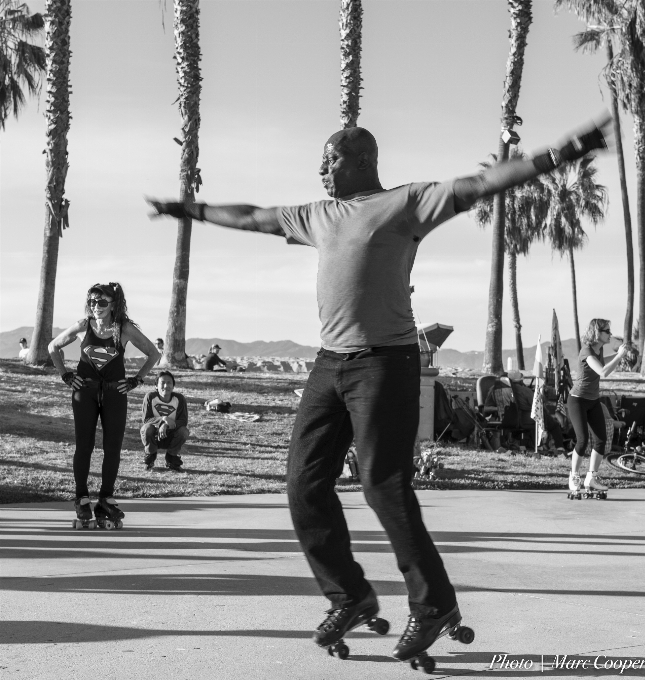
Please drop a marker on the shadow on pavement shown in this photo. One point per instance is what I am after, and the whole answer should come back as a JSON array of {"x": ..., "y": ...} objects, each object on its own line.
[
  {"x": 37, "y": 542},
  {"x": 253, "y": 585},
  {"x": 61, "y": 632}
]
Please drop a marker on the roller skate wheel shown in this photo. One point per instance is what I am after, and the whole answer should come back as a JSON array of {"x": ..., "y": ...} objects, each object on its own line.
[
  {"x": 428, "y": 664},
  {"x": 342, "y": 651},
  {"x": 414, "y": 664},
  {"x": 119, "y": 524},
  {"x": 379, "y": 626},
  {"x": 339, "y": 649},
  {"x": 76, "y": 524},
  {"x": 109, "y": 524},
  {"x": 465, "y": 635},
  {"x": 92, "y": 524}
]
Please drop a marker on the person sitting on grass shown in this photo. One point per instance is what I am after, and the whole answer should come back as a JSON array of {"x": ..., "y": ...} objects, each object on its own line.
[
  {"x": 213, "y": 359},
  {"x": 165, "y": 420},
  {"x": 24, "y": 349}
]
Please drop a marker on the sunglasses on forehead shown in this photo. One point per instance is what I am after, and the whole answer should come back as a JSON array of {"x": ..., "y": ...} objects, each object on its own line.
[{"x": 98, "y": 302}]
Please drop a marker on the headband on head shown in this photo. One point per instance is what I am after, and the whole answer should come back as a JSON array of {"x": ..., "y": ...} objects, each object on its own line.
[{"x": 105, "y": 289}]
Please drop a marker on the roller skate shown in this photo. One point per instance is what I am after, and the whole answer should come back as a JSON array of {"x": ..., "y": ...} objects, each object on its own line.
[
  {"x": 594, "y": 488},
  {"x": 422, "y": 631},
  {"x": 83, "y": 509},
  {"x": 108, "y": 514},
  {"x": 330, "y": 632},
  {"x": 574, "y": 487}
]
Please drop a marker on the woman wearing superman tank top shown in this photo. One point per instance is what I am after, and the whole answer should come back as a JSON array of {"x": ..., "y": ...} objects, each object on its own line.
[{"x": 99, "y": 390}]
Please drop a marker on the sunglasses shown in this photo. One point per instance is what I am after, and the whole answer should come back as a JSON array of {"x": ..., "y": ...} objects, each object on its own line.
[
  {"x": 606, "y": 330},
  {"x": 98, "y": 302}
]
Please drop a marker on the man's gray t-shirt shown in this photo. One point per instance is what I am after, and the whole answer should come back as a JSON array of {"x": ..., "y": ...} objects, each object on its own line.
[{"x": 366, "y": 248}]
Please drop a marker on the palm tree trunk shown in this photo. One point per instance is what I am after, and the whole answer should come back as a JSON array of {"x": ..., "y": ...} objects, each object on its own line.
[
  {"x": 520, "y": 11},
  {"x": 575, "y": 298},
  {"x": 187, "y": 54},
  {"x": 638, "y": 113},
  {"x": 639, "y": 141},
  {"x": 57, "y": 31},
  {"x": 493, "y": 360},
  {"x": 512, "y": 288},
  {"x": 629, "y": 314},
  {"x": 351, "y": 25}
]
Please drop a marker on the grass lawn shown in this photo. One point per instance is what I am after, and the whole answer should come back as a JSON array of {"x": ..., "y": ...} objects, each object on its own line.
[{"x": 222, "y": 456}]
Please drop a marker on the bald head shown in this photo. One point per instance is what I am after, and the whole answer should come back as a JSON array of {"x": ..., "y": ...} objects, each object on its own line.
[
  {"x": 350, "y": 162},
  {"x": 355, "y": 141}
]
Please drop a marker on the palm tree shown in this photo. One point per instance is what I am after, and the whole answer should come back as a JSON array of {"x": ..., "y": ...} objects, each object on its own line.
[
  {"x": 521, "y": 18},
  {"x": 573, "y": 195},
  {"x": 187, "y": 57},
  {"x": 351, "y": 25},
  {"x": 629, "y": 240},
  {"x": 525, "y": 208},
  {"x": 21, "y": 62},
  {"x": 623, "y": 22},
  {"x": 58, "y": 16}
]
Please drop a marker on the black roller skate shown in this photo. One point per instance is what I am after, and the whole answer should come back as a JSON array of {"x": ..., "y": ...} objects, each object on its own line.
[
  {"x": 83, "y": 509},
  {"x": 421, "y": 633},
  {"x": 330, "y": 632},
  {"x": 108, "y": 514}
]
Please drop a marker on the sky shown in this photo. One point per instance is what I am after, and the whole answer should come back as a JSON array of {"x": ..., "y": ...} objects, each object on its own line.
[{"x": 433, "y": 73}]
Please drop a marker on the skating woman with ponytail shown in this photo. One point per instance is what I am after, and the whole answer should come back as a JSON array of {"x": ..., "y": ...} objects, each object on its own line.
[
  {"x": 585, "y": 410},
  {"x": 99, "y": 389}
]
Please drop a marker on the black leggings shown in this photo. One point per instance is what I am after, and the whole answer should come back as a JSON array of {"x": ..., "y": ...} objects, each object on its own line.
[
  {"x": 583, "y": 412},
  {"x": 112, "y": 407}
]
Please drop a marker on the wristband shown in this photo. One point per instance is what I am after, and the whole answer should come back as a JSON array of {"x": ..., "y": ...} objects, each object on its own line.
[{"x": 547, "y": 161}]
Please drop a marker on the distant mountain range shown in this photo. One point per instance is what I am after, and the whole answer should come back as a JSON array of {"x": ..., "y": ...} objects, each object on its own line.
[
  {"x": 289, "y": 350},
  {"x": 230, "y": 348},
  {"x": 475, "y": 360}
]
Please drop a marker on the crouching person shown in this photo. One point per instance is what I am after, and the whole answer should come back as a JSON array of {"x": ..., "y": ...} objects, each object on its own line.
[{"x": 165, "y": 417}]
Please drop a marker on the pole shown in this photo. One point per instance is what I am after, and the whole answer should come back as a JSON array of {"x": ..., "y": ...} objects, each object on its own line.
[{"x": 537, "y": 427}]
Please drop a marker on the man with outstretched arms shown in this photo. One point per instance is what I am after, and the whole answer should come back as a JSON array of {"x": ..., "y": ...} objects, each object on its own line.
[{"x": 365, "y": 383}]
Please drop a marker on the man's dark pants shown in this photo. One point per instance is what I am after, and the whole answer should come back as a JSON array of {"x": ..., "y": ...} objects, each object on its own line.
[
  {"x": 371, "y": 397},
  {"x": 172, "y": 442}
]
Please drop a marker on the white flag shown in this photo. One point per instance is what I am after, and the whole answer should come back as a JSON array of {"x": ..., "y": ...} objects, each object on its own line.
[{"x": 537, "y": 410}]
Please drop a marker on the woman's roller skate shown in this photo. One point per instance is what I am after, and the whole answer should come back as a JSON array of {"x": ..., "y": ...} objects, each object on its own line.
[
  {"x": 330, "y": 632},
  {"x": 574, "y": 487},
  {"x": 594, "y": 488},
  {"x": 83, "y": 509},
  {"x": 108, "y": 514},
  {"x": 422, "y": 631}
]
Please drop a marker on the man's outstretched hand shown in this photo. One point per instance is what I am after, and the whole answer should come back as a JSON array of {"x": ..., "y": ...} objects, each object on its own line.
[
  {"x": 597, "y": 135},
  {"x": 170, "y": 208}
]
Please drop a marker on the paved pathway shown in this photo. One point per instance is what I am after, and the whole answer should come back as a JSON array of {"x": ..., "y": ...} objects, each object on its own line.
[{"x": 196, "y": 588}]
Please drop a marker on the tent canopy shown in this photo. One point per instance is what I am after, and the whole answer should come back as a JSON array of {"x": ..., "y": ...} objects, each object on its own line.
[{"x": 435, "y": 334}]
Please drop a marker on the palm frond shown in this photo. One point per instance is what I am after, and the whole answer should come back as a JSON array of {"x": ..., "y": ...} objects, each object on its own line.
[{"x": 589, "y": 41}]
